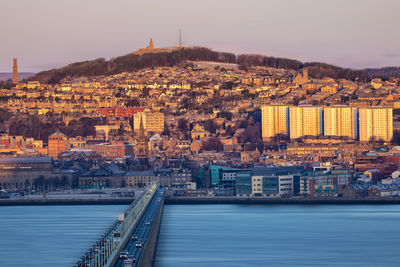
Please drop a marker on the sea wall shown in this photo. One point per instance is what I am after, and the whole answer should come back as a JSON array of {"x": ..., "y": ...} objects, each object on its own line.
[{"x": 281, "y": 201}]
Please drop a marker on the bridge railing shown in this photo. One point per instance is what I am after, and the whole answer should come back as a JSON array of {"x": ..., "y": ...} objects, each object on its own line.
[{"x": 105, "y": 249}]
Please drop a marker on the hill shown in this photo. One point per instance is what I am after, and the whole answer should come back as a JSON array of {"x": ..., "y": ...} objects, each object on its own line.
[{"x": 134, "y": 62}]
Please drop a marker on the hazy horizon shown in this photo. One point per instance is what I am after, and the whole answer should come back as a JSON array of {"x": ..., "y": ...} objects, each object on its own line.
[{"x": 45, "y": 34}]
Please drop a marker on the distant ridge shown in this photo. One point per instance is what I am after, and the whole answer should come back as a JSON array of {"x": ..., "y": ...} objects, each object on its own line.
[
  {"x": 4, "y": 76},
  {"x": 134, "y": 62},
  {"x": 384, "y": 73}
]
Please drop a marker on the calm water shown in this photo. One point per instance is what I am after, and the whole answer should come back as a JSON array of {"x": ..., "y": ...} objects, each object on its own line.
[
  {"x": 241, "y": 235},
  {"x": 51, "y": 235}
]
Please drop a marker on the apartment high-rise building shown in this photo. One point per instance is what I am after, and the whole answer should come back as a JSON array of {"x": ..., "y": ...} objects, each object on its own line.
[
  {"x": 274, "y": 120},
  {"x": 152, "y": 121},
  {"x": 304, "y": 120},
  {"x": 340, "y": 121},
  {"x": 376, "y": 123},
  {"x": 15, "y": 72},
  {"x": 58, "y": 143}
]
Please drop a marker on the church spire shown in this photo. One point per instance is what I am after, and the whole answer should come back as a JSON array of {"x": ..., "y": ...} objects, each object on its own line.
[
  {"x": 142, "y": 148},
  {"x": 142, "y": 134}
]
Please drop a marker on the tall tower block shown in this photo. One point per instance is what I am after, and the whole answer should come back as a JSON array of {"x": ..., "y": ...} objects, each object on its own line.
[
  {"x": 274, "y": 120},
  {"x": 304, "y": 120},
  {"x": 15, "y": 72}
]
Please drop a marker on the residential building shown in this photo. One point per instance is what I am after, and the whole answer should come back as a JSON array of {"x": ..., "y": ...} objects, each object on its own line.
[
  {"x": 304, "y": 120},
  {"x": 139, "y": 179},
  {"x": 110, "y": 151},
  {"x": 180, "y": 176},
  {"x": 105, "y": 129},
  {"x": 376, "y": 123},
  {"x": 152, "y": 121},
  {"x": 57, "y": 143},
  {"x": 340, "y": 121},
  {"x": 274, "y": 121}
]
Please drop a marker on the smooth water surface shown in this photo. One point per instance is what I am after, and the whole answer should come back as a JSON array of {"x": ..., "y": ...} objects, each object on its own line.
[
  {"x": 262, "y": 235},
  {"x": 51, "y": 235}
]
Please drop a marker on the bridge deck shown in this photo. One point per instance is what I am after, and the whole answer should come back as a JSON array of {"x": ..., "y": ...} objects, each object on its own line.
[{"x": 142, "y": 230}]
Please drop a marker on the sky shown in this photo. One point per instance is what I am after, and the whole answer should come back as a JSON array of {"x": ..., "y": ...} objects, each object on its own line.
[{"x": 45, "y": 34}]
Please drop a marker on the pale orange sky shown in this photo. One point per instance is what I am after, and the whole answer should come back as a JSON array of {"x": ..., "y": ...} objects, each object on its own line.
[{"x": 44, "y": 34}]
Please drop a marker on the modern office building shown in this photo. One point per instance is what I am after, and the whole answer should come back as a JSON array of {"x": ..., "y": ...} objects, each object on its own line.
[
  {"x": 305, "y": 120},
  {"x": 235, "y": 179},
  {"x": 215, "y": 173},
  {"x": 274, "y": 121},
  {"x": 376, "y": 123},
  {"x": 275, "y": 181},
  {"x": 323, "y": 183},
  {"x": 340, "y": 121},
  {"x": 243, "y": 183}
]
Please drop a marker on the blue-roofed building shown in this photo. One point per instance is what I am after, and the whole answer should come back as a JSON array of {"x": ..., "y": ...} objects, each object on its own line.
[{"x": 214, "y": 173}]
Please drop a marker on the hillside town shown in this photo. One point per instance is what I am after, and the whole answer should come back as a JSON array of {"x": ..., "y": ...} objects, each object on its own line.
[{"x": 203, "y": 129}]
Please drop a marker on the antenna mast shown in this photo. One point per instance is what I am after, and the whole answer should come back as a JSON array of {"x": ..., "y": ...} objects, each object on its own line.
[{"x": 180, "y": 38}]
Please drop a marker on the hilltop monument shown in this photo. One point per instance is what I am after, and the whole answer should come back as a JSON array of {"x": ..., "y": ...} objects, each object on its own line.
[
  {"x": 152, "y": 49},
  {"x": 151, "y": 45}
]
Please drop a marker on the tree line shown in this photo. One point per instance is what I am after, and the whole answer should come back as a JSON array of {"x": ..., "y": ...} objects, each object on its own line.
[
  {"x": 41, "y": 127},
  {"x": 132, "y": 62},
  {"x": 315, "y": 69}
]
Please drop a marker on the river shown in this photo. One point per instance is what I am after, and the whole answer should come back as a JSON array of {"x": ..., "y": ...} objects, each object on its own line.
[
  {"x": 213, "y": 235},
  {"x": 279, "y": 235},
  {"x": 51, "y": 235}
]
